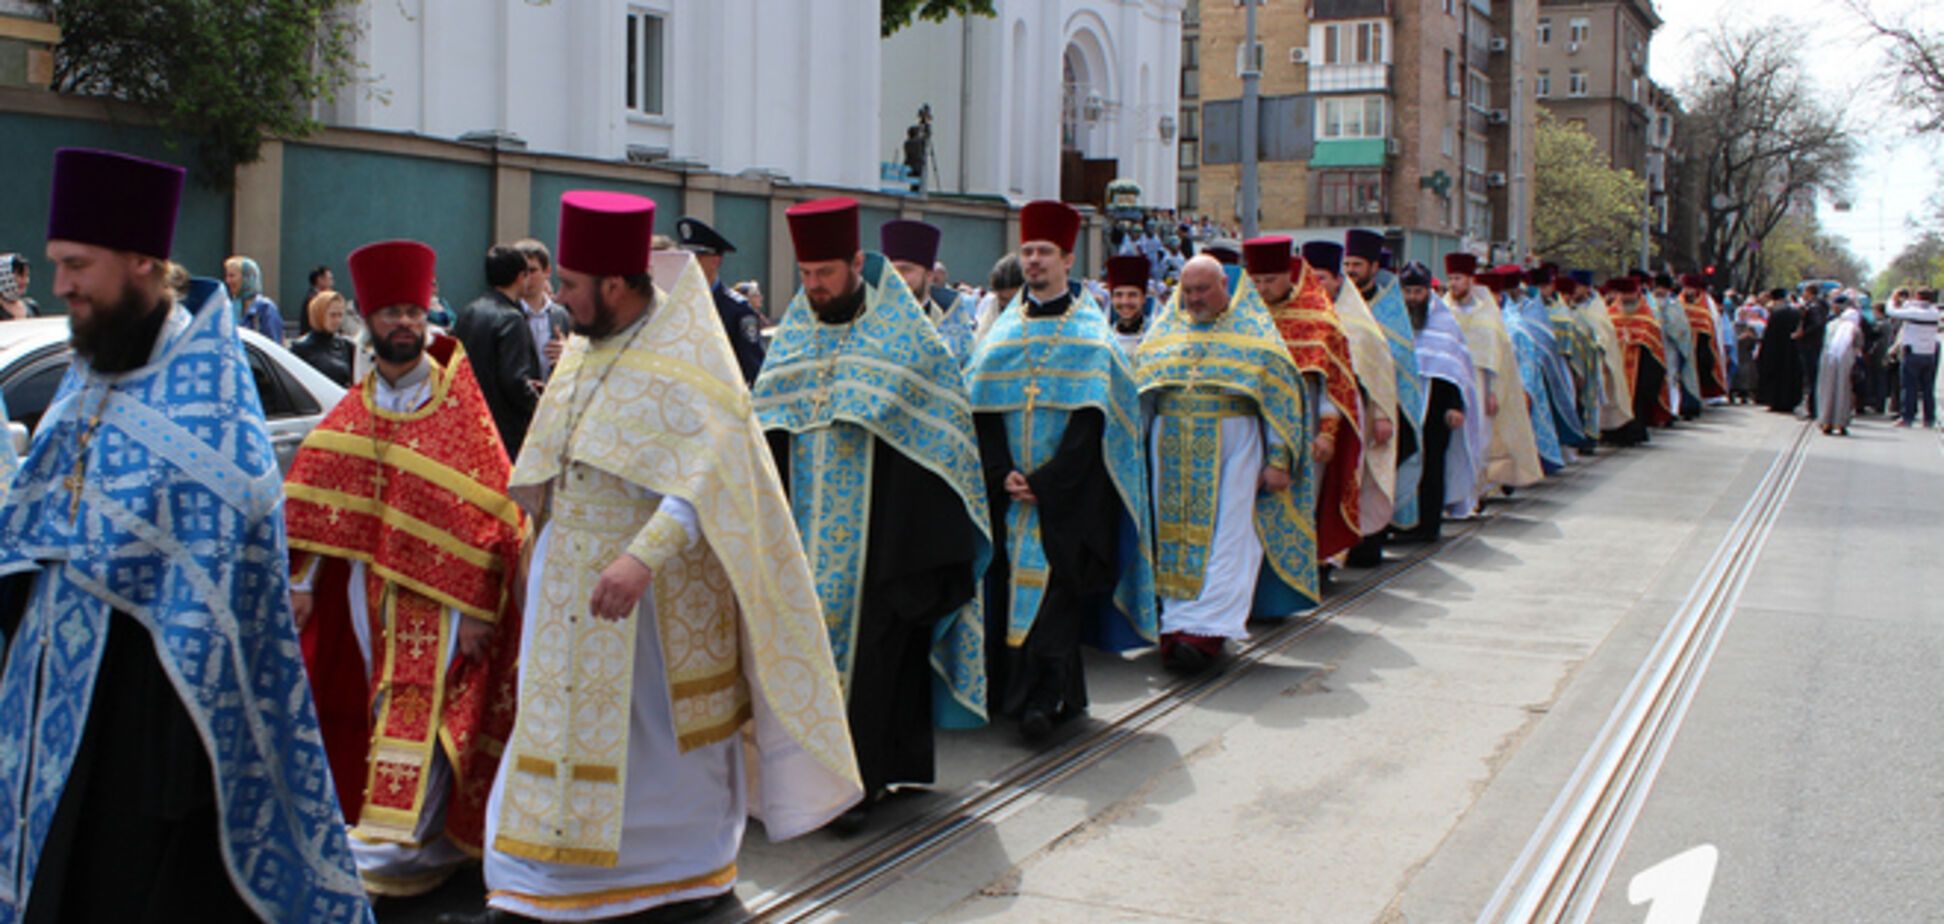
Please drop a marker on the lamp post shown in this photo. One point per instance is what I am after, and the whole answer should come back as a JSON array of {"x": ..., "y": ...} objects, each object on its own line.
[{"x": 1251, "y": 91}]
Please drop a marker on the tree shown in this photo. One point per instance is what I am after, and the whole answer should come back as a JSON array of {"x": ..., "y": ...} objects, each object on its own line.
[
  {"x": 1766, "y": 143},
  {"x": 1585, "y": 213},
  {"x": 1920, "y": 264},
  {"x": 1799, "y": 249},
  {"x": 1916, "y": 65},
  {"x": 897, "y": 14},
  {"x": 225, "y": 74}
]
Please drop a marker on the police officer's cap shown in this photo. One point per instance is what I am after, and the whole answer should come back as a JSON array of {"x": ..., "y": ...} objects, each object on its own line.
[{"x": 698, "y": 237}]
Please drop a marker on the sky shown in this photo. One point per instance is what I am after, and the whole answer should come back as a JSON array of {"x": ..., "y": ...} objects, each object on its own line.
[{"x": 1897, "y": 173}]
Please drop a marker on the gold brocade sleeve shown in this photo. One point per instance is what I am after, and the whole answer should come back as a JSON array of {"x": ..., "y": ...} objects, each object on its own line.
[{"x": 662, "y": 539}]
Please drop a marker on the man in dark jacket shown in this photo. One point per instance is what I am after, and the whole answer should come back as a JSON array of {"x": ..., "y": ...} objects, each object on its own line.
[{"x": 494, "y": 331}]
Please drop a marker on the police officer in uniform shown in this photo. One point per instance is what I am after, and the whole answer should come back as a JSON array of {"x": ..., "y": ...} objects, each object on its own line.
[{"x": 740, "y": 321}]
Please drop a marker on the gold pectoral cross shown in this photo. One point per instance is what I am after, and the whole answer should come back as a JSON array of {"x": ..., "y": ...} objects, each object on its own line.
[
  {"x": 1032, "y": 396},
  {"x": 79, "y": 476}
]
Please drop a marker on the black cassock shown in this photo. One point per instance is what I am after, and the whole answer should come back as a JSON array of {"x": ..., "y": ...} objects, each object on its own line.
[
  {"x": 1442, "y": 398},
  {"x": 918, "y": 563},
  {"x": 1650, "y": 380},
  {"x": 1779, "y": 384},
  {"x": 1080, "y": 515},
  {"x": 135, "y": 836}
]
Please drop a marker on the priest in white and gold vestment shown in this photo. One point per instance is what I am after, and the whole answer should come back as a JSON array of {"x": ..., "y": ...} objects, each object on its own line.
[{"x": 675, "y": 676}]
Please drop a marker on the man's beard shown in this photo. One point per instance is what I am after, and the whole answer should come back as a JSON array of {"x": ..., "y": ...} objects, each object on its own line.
[
  {"x": 397, "y": 353},
  {"x": 843, "y": 307},
  {"x": 603, "y": 323},
  {"x": 120, "y": 336},
  {"x": 1420, "y": 312}
]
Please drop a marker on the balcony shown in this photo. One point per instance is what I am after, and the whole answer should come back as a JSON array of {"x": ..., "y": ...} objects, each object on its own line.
[
  {"x": 1325, "y": 10},
  {"x": 1350, "y": 78}
]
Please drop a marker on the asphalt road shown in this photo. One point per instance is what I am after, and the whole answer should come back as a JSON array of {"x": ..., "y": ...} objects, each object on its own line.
[{"x": 1392, "y": 764}]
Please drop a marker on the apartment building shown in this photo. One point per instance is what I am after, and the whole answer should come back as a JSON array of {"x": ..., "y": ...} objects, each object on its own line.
[
  {"x": 1592, "y": 72},
  {"x": 1394, "y": 114}
]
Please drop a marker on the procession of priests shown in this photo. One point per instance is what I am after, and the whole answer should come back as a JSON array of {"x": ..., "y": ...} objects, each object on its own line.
[{"x": 236, "y": 688}]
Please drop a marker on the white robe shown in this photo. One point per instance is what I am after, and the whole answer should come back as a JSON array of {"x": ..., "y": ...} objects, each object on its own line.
[
  {"x": 683, "y": 813},
  {"x": 1235, "y": 554}
]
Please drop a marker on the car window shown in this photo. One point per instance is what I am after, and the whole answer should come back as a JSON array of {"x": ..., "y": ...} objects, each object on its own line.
[
  {"x": 32, "y": 390},
  {"x": 276, "y": 401},
  {"x": 302, "y": 402}
]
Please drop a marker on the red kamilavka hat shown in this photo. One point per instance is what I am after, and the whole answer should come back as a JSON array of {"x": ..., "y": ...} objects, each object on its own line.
[
  {"x": 1127, "y": 271},
  {"x": 824, "y": 229},
  {"x": 1461, "y": 263},
  {"x": 1046, "y": 220},
  {"x": 605, "y": 233},
  {"x": 391, "y": 273},
  {"x": 1267, "y": 255}
]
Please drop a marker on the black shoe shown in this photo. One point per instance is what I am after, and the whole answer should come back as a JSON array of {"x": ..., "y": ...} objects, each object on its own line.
[
  {"x": 695, "y": 909},
  {"x": 1186, "y": 659},
  {"x": 1035, "y": 725},
  {"x": 853, "y": 821},
  {"x": 488, "y": 916}
]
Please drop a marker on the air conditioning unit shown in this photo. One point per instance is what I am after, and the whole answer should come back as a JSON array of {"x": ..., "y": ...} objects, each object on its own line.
[
  {"x": 1498, "y": 117},
  {"x": 1299, "y": 55},
  {"x": 1500, "y": 45},
  {"x": 1392, "y": 147},
  {"x": 1495, "y": 180},
  {"x": 1572, "y": 48},
  {"x": 1373, "y": 207}
]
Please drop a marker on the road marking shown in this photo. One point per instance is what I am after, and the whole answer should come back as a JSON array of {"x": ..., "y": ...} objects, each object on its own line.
[
  {"x": 1676, "y": 889},
  {"x": 1561, "y": 873}
]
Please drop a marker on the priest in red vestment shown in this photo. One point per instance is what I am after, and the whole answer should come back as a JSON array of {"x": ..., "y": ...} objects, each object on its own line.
[
  {"x": 405, "y": 546},
  {"x": 1305, "y": 315}
]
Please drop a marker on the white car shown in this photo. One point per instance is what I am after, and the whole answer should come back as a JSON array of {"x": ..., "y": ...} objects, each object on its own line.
[{"x": 34, "y": 356}]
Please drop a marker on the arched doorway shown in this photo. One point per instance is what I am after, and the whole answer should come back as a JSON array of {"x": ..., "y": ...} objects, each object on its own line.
[{"x": 1087, "y": 164}]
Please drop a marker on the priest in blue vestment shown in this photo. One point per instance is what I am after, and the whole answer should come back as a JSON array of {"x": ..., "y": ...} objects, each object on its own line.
[
  {"x": 159, "y": 751},
  {"x": 1058, "y": 421}
]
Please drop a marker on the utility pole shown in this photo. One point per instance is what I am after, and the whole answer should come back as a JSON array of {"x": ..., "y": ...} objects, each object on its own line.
[{"x": 1251, "y": 134}]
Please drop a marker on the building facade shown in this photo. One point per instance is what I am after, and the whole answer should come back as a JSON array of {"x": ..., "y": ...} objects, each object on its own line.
[
  {"x": 1042, "y": 100},
  {"x": 763, "y": 87},
  {"x": 1592, "y": 72},
  {"x": 27, "y": 39},
  {"x": 1393, "y": 114}
]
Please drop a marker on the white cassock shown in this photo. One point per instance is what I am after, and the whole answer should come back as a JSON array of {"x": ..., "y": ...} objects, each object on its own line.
[
  {"x": 1235, "y": 554},
  {"x": 683, "y": 814}
]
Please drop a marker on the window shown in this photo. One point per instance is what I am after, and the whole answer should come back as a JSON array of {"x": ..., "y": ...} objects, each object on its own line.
[
  {"x": 1576, "y": 82},
  {"x": 1481, "y": 91},
  {"x": 1451, "y": 73},
  {"x": 1190, "y": 52},
  {"x": 1190, "y": 156},
  {"x": 1190, "y": 123},
  {"x": 1191, "y": 13},
  {"x": 1186, "y": 199},
  {"x": 1545, "y": 30},
  {"x": 1358, "y": 43},
  {"x": 644, "y": 63},
  {"x": 1190, "y": 83},
  {"x": 1347, "y": 193},
  {"x": 1448, "y": 140},
  {"x": 1351, "y": 117},
  {"x": 1542, "y": 86},
  {"x": 1636, "y": 89},
  {"x": 1582, "y": 28}
]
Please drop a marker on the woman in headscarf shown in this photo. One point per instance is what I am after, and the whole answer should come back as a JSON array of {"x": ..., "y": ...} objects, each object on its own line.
[
  {"x": 1750, "y": 320},
  {"x": 14, "y": 303},
  {"x": 1779, "y": 381},
  {"x": 323, "y": 348},
  {"x": 254, "y": 310},
  {"x": 1835, "y": 391}
]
